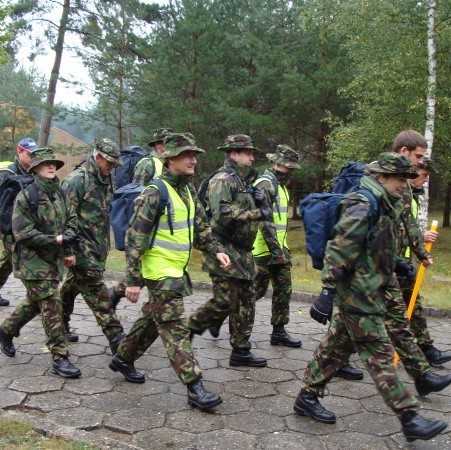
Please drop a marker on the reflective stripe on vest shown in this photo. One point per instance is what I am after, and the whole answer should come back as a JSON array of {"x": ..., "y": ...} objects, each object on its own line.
[
  {"x": 280, "y": 221},
  {"x": 170, "y": 253},
  {"x": 414, "y": 206}
]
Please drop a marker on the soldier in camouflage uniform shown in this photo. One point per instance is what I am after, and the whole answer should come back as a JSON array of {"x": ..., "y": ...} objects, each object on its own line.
[
  {"x": 21, "y": 164},
  {"x": 235, "y": 220},
  {"x": 89, "y": 188},
  {"x": 163, "y": 268},
  {"x": 358, "y": 278},
  {"x": 271, "y": 252},
  {"x": 413, "y": 146},
  {"x": 145, "y": 171},
  {"x": 43, "y": 246}
]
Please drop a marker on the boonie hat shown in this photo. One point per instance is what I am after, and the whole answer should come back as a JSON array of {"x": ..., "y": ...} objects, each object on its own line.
[
  {"x": 177, "y": 143},
  {"x": 159, "y": 135},
  {"x": 27, "y": 144},
  {"x": 285, "y": 156},
  {"x": 44, "y": 155},
  {"x": 393, "y": 164},
  {"x": 107, "y": 148},
  {"x": 238, "y": 142},
  {"x": 427, "y": 164}
]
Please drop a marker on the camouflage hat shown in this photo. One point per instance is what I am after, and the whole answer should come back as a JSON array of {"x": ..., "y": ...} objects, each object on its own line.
[
  {"x": 177, "y": 143},
  {"x": 27, "y": 144},
  {"x": 393, "y": 164},
  {"x": 44, "y": 155},
  {"x": 159, "y": 135},
  {"x": 427, "y": 164},
  {"x": 285, "y": 156},
  {"x": 238, "y": 142},
  {"x": 109, "y": 151}
]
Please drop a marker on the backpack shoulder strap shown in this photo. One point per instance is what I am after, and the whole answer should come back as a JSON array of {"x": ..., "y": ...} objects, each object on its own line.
[
  {"x": 32, "y": 197},
  {"x": 162, "y": 205}
]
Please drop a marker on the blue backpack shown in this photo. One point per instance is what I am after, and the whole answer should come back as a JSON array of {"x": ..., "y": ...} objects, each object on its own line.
[
  {"x": 321, "y": 211},
  {"x": 130, "y": 156},
  {"x": 123, "y": 207}
]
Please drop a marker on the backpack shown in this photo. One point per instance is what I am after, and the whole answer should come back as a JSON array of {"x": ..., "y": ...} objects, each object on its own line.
[
  {"x": 10, "y": 186},
  {"x": 130, "y": 156},
  {"x": 321, "y": 211},
  {"x": 123, "y": 207}
]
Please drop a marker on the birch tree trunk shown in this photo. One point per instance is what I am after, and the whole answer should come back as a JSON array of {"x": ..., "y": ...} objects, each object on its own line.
[{"x": 430, "y": 108}]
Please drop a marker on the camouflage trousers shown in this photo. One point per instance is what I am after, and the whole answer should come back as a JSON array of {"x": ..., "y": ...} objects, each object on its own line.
[
  {"x": 403, "y": 340},
  {"x": 368, "y": 335},
  {"x": 232, "y": 297},
  {"x": 91, "y": 285},
  {"x": 280, "y": 277},
  {"x": 164, "y": 316},
  {"x": 6, "y": 265},
  {"x": 42, "y": 298}
]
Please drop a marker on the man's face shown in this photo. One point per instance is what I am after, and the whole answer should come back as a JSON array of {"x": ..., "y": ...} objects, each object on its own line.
[
  {"x": 159, "y": 147},
  {"x": 393, "y": 184},
  {"x": 105, "y": 166},
  {"x": 423, "y": 177},
  {"x": 415, "y": 156},
  {"x": 24, "y": 158},
  {"x": 243, "y": 157},
  {"x": 184, "y": 163},
  {"x": 46, "y": 170},
  {"x": 283, "y": 169}
]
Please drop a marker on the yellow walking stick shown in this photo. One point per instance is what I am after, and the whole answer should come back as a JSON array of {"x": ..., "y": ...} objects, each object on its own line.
[{"x": 418, "y": 282}]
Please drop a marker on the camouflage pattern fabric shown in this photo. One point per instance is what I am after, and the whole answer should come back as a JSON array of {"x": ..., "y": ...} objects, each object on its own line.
[
  {"x": 6, "y": 265},
  {"x": 42, "y": 298},
  {"x": 280, "y": 277},
  {"x": 367, "y": 334},
  {"x": 164, "y": 316},
  {"x": 36, "y": 256},
  {"x": 232, "y": 297},
  {"x": 90, "y": 195},
  {"x": 91, "y": 285},
  {"x": 144, "y": 171}
]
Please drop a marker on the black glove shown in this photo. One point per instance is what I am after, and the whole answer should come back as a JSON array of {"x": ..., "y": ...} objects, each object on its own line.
[
  {"x": 259, "y": 196},
  {"x": 266, "y": 213},
  {"x": 322, "y": 307},
  {"x": 405, "y": 271},
  {"x": 72, "y": 241}
]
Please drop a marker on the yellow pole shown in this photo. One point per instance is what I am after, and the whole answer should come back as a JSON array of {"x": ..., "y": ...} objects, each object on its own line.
[{"x": 418, "y": 282}]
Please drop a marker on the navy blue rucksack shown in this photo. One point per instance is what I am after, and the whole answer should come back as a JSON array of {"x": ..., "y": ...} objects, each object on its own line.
[
  {"x": 321, "y": 211},
  {"x": 130, "y": 156},
  {"x": 123, "y": 207}
]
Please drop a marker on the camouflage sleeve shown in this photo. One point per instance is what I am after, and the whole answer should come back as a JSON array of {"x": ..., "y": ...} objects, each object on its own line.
[
  {"x": 74, "y": 187},
  {"x": 223, "y": 202},
  {"x": 71, "y": 226},
  {"x": 203, "y": 237},
  {"x": 268, "y": 228},
  {"x": 139, "y": 233},
  {"x": 144, "y": 171},
  {"x": 24, "y": 226},
  {"x": 349, "y": 236}
]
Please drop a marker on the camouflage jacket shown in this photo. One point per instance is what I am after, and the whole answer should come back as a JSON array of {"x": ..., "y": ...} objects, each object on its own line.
[
  {"x": 413, "y": 237},
  {"x": 36, "y": 255},
  {"x": 359, "y": 265},
  {"x": 144, "y": 171},
  {"x": 90, "y": 195},
  {"x": 234, "y": 220},
  {"x": 142, "y": 224}
]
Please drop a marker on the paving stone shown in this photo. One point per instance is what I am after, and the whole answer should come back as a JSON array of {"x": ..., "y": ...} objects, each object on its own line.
[
  {"x": 304, "y": 424},
  {"x": 226, "y": 439},
  {"x": 21, "y": 371},
  {"x": 11, "y": 398},
  {"x": 35, "y": 385},
  {"x": 110, "y": 401},
  {"x": 51, "y": 401},
  {"x": 291, "y": 441},
  {"x": 82, "y": 349},
  {"x": 255, "y": 422},
  {"x": 134, "y": 420},
  {"x": 195, "y": 421},
  {"x": 372, "y": 423},
  {"x": 250, "y": 388},
  {"x": 357, "y": 441},
  {"x": 79, "y": 418},
  {"x": 89, "y": 386},
  {"x": 279, "y": 405},
  {"x": 150, "y": 387},
  {"x": 159, "y": 438},
  {"x": 268, "y": 373},
  {"x": 166, "y": 403}
]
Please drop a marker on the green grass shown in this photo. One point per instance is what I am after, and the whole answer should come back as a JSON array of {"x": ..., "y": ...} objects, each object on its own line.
[
  {"x": 22, "y": 436},
  {"x": 436, "y": 287}
]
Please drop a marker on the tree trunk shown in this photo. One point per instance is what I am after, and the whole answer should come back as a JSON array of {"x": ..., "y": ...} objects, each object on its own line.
[
  {"x": 447, "y": 208},
  {"x": 430, "y": 108},
  {"x": 46, "y": 122}
]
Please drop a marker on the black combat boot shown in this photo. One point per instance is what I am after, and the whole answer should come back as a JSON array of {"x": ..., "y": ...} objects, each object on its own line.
[
  {"x": 200, "y": 398},
  {"x": 214, "y": 331},
  {"x": 309, "y": 405},
  {"x": 127, "y": 369},
  {"x": 70, "y": 335},
  {"x": 3, "y": 301},
  {"x": 279, "y": 336},
  {"x": 64, "y": 368},
  {"x": 349, "y": 373},
  {"x": 432, "y": 382},
  {"x": 115, "y": 341},
  {"x": 415, "y": 426},
  {"x": 244, "y": 357},
  {"x": 6, "y": 344},
  {"x": 115, "y": 298},
  {"x": 435, "y": 356}
]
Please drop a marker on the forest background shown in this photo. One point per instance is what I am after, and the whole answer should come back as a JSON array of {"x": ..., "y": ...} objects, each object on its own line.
[{"x": 336, "y": 80}]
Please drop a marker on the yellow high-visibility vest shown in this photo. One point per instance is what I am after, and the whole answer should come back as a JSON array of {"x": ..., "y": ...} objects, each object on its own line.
[{"x": 170, "y": 253}]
